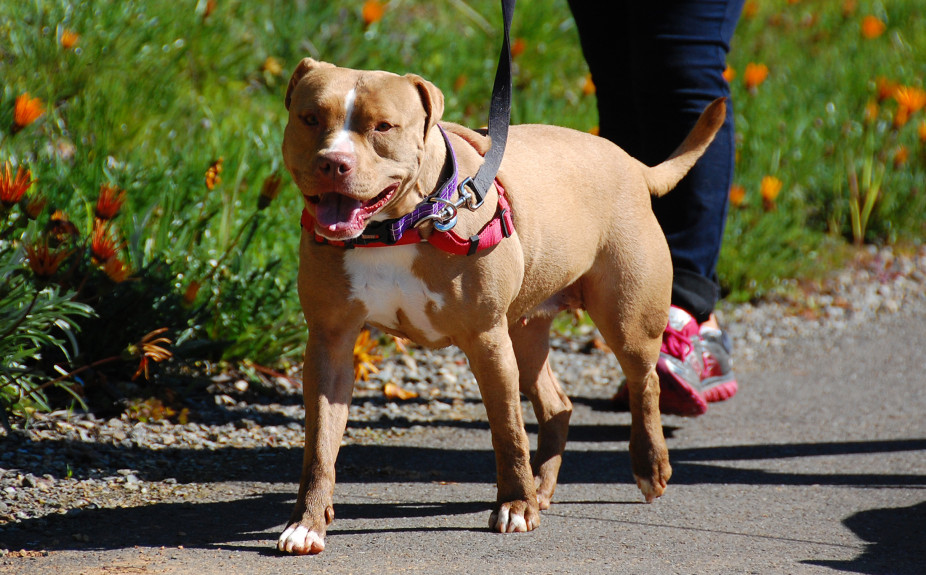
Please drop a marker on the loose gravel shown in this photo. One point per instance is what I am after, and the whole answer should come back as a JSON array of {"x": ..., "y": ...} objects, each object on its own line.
[{"x": 68, "y": 461}]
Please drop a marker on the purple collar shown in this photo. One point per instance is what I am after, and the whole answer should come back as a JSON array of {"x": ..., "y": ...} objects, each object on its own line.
[{"x": 433, "y": 207}]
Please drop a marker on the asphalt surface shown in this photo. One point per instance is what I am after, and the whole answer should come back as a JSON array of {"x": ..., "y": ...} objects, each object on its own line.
[{"x": 818, "y": 465}]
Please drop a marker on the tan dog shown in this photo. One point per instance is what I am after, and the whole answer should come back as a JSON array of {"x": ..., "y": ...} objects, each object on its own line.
[{"x": 365, "y": 146}]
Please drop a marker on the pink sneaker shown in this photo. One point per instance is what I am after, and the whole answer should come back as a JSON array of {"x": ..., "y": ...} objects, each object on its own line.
[{"x": 694, "y": 367}]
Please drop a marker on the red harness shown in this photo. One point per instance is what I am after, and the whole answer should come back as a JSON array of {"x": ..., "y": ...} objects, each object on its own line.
[{"x": 501, "y": 226}]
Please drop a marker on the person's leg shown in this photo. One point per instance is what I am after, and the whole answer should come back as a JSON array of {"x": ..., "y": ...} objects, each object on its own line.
[{"x": 656, "y": 66}]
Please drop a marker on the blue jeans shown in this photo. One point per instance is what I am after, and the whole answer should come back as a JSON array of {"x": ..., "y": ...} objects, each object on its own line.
[{"x": 656, "y": 65}]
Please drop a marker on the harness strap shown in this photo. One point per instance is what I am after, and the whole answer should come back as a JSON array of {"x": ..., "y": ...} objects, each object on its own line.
[{"x": 499, "y": 227}]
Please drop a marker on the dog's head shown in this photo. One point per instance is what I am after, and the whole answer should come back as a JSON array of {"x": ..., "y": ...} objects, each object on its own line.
[{"x": 355, "y": 142}]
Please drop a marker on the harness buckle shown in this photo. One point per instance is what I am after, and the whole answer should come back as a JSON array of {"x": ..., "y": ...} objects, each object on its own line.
[{"x": 445, "y": 219}]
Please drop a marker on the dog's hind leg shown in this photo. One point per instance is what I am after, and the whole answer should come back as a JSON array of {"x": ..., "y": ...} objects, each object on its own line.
[
  {"x": 632, "y": 317},
  {"x": 552, "y": 408}
]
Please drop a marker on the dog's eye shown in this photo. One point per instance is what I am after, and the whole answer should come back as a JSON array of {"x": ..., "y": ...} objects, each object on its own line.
[
  {"x": 384, "y": 127},
  {"x": 309, "y": 119}
]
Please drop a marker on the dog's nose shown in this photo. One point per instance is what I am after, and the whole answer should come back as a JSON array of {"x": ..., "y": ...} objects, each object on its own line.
[{"x": 336, "y": 165}]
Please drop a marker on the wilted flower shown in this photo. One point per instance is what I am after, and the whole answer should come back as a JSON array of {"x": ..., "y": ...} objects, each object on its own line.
[
  {"x": 365, "y": 359},
  {"x": 25, "y": 111},
  {"x": 373, "y": 11},
  {"x": 754, "y": 75},
  {"x": 872, "y": 27},
  {"x": 102, "y": 246},
  {"x": 769, "y": 189},
  {"x": 12, "y": 188},
  {"x": 393, "y": 391},
  {"x": 150, "y": 348},
  {"x": 43, "y": 261},
  {"x": 737, "y": 195},
  {"x": 110, "y": 202},
  {"x": 34, "y": 206},
  {"x": 269, "y": 190},
  {"x": 60, "y": 227},
  {"x": 212, "y": 174},
  {"x": 68, "y": 39},
  {"x": 192, "y": 290}
]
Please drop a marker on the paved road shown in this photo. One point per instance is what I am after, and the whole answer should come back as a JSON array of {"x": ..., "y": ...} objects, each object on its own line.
[{"x": 817, "y": 466}]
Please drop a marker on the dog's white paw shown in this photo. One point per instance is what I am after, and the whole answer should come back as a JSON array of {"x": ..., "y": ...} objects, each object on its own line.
[
  {"x": 504, "y": 521},
  {"x": 649, "y": 490},
  {"x": 298, "y": 540}
]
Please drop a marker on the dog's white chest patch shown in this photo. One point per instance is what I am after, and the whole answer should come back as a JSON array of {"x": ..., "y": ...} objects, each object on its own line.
[{"x": 382, "y": 279}]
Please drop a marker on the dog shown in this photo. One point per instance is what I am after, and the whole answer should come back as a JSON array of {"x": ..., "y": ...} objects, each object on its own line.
[{"x": 577, "y": 230}]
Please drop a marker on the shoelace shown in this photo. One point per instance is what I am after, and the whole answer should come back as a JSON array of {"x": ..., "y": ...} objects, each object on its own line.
[{"x": 675, "y": 343}]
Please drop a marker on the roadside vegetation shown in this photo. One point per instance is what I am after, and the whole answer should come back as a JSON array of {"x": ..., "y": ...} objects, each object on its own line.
[{"x": 148, "y": 232}]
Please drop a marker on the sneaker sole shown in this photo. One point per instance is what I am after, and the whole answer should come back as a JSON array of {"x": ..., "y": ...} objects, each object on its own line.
[
  {"x": 676, "y": 397},
  {"x": 719, "y": 388}
]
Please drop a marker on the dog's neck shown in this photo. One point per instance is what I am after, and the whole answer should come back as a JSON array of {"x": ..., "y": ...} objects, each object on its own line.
[{"x": 432, "y": 173}]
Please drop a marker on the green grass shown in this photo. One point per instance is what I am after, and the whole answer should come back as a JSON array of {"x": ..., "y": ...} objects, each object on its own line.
[{"x": 154, "y": 92}]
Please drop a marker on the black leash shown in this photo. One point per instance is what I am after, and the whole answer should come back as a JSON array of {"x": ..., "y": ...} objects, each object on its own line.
[{"x": 499, "y": 117}]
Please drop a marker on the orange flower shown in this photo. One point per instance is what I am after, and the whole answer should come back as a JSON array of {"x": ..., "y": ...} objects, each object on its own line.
[
  {"x": 110, "y": 202},
  {"x": 750, "y": 9},
  {"x": 68, "y": 39},
  {"x": 13, "y": 188},
  {"x": 729, "y": 73},
  {"x": 769, "y": 189},
  {"x": 901, "y": 154},
  {"x": 885, "y": 88},
  {"x": 373, "y": 11},
  {"x": 210, "y": 8},
  {"x": 901, "y": 116},
  {"x": 518, "y": 47},
  {"x": 25, "y": 111},
  {"x": 872, "y": 27},
  {"x": 849, "y": 7},
  {"x": 921, "y": 131},
  {"x": 212, "y": 174},
  {"x": 588, "y": 88},
  {"x": 272, "y": 66},
  {"x": 102, "y": 247},
  {"x": 871, "y": 111},
  {"x": 595, "y": 131},
  {"x": 115, "y": 270},
  {"x": 910, "y": 97},
  {"x": 737, "y": 195},
  {"x": 44, "y": 262},
  {"x": 754, "y": 75}
]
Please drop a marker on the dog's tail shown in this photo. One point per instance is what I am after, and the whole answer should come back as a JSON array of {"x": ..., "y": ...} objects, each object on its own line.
[{"x": 662, "y": 178}]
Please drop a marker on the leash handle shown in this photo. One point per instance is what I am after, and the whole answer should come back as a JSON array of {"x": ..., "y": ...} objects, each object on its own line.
[{"x": 499, "y": 115}]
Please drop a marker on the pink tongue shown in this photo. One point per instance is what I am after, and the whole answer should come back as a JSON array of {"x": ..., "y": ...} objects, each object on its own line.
[{"x": 335, "y": 212}]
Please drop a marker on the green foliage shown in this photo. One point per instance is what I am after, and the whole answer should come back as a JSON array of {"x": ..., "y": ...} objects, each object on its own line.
[{"x": 154, "y": 93}]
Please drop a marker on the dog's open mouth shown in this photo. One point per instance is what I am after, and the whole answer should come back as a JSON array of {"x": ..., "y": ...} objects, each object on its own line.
[{"x": 339, "y": 217}]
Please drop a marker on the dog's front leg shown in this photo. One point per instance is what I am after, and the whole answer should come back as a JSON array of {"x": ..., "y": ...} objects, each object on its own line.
[
  {"x": 494, "y": 364},
  {"x": 328, "y": 381}
]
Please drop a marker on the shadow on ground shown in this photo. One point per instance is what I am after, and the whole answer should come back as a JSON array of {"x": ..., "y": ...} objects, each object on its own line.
[{"x": 894, "y": 539}]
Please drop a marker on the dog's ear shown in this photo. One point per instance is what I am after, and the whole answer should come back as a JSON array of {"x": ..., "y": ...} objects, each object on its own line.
[
  {"x": 304, "y": 67},
  {"x": 431, "y": 98}
]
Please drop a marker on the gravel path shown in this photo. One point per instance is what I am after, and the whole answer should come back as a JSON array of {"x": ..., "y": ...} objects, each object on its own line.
[{"x": 67, "y": 463}]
